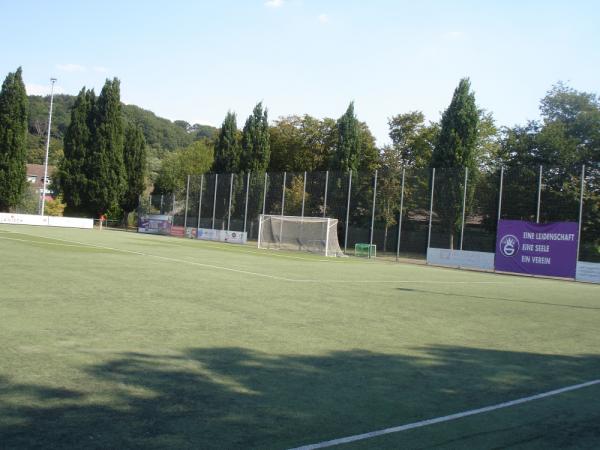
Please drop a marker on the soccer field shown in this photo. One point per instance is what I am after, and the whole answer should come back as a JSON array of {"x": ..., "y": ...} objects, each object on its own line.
[{"x": 121, "y": 340}]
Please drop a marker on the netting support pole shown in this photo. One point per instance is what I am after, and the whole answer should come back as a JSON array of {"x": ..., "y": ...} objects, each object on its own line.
[
  {"x": 539, "y": 196},
  {"x": 200, "y": 198},
  {"x": 215, "y": 201},
  {"x": 260, "y": 221},
  {"x": 303, "y": 194},
  {"x": 246, "y": 207},
  {"x": 173, "y": 204},
  {"x": 462, "y": 223},
  {"x": 430, "y": 209},
  {"x": 265, "y": 193},
  {"x": 283, "y": 193},
  {"x": 580, "y": 208},
  {"x": 373, "y": 209},
  {"x": 400, "y": 216},
  {"x": 229, "y": 206},
  {"x": 161, "y": 203},
  {"x": 500, "y": 194},
  {"x": 347, "y": 211},
  {"x": 282, "y": 209},
  {"x": 42, "y": 207},
  {"x": 325, "y": 195},
  {"x": 327, "y": 238},
  {"x": 187, "y": 198}
]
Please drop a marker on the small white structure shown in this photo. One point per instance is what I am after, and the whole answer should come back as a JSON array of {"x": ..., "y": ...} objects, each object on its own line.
[{"x": 47, "y": 221}]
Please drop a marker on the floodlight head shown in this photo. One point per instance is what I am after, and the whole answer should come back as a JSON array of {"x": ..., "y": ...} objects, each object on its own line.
[{"x": 52, "y": 80}]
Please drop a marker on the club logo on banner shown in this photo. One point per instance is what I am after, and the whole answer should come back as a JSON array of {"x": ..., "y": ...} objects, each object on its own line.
[
  {"x": 509, "y": 245},
  {"x": 537, "y": 249}
]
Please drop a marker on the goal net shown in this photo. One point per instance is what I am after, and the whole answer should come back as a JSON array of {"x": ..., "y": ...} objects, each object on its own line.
[{"x": 309, "y": 234}]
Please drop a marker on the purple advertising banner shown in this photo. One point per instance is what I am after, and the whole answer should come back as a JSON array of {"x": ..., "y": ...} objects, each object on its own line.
[
  {"x": 155, "y": 224},
  {"x": 537, "y": 249}
]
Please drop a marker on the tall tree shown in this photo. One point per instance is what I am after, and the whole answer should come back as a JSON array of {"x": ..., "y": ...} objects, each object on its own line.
[
  {"x": 368, "y": 156},
  {"x": 456, "y": 146},
  {"x": 488, "y": 149},
  {"x": 567, "y": 137},
  {"x": 72, "y": 170},
  {"x": 256, "y": 150},
  {"x": 13, "y": 138},
  {"x": 355, "y": 150},
  {"x": 134, "y": 158},
  {"x": 300, "y": 143},
  {"x": 456, "y": 150},
  {"x": 565, "y": 104},
  {"x": 227, "y": 148},
  {"x": 106, "y": 178},
  {"x": 412, "y": 140},
  {"x": 227, "y": 151},
  {"x": 347, "y": 151},
  {"x": 570, "y": 133},
  {"x": 194, "y": 160}
]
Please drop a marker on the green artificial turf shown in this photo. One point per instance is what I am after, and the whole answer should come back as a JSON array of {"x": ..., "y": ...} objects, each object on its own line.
[{"x": 121, "y": 340}]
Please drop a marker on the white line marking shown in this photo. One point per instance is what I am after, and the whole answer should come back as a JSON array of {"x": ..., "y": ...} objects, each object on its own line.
[
  {"x": 166, "y": 258},
  {"x": 229, "y": 269},
  {"x": 424, "y": 423},
  {"x": 401, "y": 281},
  {"x": 43, "y": 243}
]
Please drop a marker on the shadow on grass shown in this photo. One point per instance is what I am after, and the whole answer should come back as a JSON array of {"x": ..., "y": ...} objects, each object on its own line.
[{"x": 236, "y": 398}]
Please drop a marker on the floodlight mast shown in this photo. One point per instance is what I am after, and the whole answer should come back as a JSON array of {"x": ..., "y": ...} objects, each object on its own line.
[{"x": 53, "y": 80}]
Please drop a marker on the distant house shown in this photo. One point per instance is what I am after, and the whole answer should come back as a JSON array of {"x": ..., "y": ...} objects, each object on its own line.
[{"x": 35, "y": 176}]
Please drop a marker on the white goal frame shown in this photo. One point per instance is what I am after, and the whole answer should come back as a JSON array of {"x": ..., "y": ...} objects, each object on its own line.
[{"x": 328, "y": 222}]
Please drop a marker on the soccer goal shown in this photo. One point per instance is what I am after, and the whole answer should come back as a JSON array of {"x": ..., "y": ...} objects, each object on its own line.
[
  {"x": 309, "y": 234},
  {"x": 365, "y": 250}
]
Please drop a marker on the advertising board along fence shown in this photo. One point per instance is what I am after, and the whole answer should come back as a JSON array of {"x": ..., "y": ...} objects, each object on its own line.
[
  {"x": 460, "y": 258},
  {"x": 155, "y": 224},
  {"x": 233, "y": 237},
  {"x": 47, "y": 221},
  {"x": 537, "y": 249}
]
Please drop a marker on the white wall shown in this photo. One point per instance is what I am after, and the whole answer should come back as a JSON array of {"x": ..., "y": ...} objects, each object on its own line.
[
  {"x": 48, "y": 221},
  {"x": 235, "y": 237},
  {"x": 588, "y": 271},
  {"x": 460, "y": 258}
]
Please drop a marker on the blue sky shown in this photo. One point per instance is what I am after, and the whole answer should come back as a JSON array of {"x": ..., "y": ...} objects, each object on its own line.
[{"x": 195, "y": 60}]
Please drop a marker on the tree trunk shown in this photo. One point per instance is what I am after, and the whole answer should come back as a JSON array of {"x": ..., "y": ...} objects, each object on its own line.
[{"x": 125, "y": 222}]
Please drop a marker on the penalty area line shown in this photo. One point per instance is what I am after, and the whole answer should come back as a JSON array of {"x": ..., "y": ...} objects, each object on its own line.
[{"x": 460, "y": 415}]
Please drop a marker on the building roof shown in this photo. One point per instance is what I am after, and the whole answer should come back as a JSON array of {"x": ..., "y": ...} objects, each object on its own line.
[{"x": 37, "y": 171}]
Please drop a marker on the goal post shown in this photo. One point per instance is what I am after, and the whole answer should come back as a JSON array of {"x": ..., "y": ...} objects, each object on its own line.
[{"x": 308, "y": 234}]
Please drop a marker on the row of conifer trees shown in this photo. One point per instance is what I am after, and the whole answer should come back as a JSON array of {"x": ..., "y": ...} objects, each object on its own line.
[{"x": 104, "y": 165}]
